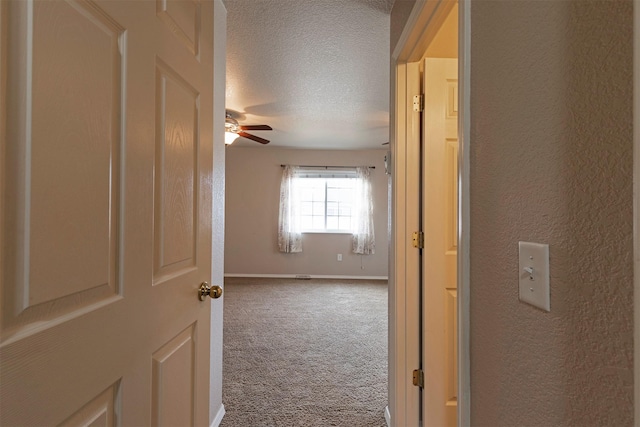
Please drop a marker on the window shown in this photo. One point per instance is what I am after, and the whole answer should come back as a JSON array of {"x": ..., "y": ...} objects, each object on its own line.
[{"x": 326, "y": 202}]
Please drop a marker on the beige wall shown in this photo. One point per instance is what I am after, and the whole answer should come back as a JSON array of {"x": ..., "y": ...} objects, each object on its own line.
[
  {"x": 551, "y": 162},
  {"x": 399, "y": 15},
  {"x": 252, "y": 196}
]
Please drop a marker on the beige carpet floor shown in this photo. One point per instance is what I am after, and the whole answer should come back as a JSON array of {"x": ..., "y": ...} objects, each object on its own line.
[{"x": 304, "y": 353}]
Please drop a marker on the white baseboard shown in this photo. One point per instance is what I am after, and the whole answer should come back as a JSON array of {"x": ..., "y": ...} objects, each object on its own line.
[
  {"x": 312, "y": 276},
  {"x": 218, "y": 418},
  {"x": 387, "y": 416}
]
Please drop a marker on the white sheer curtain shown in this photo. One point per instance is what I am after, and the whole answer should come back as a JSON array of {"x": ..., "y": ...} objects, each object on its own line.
[
  {"x": 289, "y": 234},
  {"x": 364, "y": 241}
]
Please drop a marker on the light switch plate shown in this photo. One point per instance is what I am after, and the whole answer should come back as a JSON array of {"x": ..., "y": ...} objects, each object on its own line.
[{"x": 534, "y": 274}]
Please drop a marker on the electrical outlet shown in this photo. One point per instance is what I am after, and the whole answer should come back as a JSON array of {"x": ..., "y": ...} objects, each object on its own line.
[{"x": 339, "y": 257}]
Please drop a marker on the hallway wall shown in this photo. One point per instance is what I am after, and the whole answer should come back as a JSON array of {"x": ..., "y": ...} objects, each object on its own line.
[{"x": 551, "y": 162}]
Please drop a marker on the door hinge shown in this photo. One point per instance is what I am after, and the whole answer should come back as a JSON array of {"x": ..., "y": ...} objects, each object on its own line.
[
  {"x": 418, "y": 239},
  {"x": 418, "y": 378},
  {"x": 418, "y": 103}
]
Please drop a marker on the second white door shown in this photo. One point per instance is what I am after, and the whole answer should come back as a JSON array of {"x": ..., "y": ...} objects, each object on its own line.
[{"x": 440, "y": 207}]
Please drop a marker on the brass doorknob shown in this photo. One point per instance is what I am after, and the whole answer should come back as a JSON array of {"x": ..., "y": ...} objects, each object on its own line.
[{"x": 206, "y": 290}]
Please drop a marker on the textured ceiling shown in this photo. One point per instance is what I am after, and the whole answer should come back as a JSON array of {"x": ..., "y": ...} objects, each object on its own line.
[{"x": 317, "y": 71}]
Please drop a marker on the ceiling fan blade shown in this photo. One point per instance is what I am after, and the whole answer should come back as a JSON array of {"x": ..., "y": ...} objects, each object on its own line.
[
  {"x": 253, "y": 138},
  {"x": 255, "y": 127}
]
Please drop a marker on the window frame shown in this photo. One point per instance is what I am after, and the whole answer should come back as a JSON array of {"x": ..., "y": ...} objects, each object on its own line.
[{"x": 326, "y": 175}]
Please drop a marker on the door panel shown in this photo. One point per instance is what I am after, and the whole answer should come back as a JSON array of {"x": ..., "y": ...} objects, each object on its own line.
[
  {"x": 106, "y": 191},
  {"x": 440, "y": 207},
  {"x": 61, "y": 238},
  {"x": 171, "y": 385},
  {"x": 86, "y": 148},
  {"x": 99, "y": 412},
  {"x": 176, "y": 208}
]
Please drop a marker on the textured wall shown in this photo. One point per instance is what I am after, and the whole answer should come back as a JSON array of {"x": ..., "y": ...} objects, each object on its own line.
[
  {"x": 551, "y": 162},
  {"x": 636, "y": 161},
  {"x": 252, "y": 207},
  {"x": 399, "y": 16}
]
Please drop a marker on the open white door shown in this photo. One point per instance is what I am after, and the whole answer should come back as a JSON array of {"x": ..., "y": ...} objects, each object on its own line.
[
  {"x": 106, "y": 212},
  {"x": 440, "y": 212}
]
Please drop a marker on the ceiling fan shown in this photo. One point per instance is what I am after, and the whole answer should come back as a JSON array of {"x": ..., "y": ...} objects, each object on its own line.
[{"x": 233, "y": 130}]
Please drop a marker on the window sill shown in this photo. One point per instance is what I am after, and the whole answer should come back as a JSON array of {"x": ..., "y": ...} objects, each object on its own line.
[{"x": 326, "y": 232}]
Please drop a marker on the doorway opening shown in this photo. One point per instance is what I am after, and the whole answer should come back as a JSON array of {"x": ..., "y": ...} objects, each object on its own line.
[{"x": 429, "y": 291}]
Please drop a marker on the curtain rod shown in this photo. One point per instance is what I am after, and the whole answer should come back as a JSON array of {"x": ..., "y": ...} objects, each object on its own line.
[{"x": 327, "y": 167}]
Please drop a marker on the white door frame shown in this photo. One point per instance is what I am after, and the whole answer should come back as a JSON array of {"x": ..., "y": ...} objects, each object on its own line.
[
  {"x": 421, "y": 27},
  {"x": 404, "y": 295}
]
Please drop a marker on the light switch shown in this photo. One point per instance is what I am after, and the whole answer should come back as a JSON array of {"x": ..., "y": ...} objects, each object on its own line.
[{"x": 534, "y": 274}]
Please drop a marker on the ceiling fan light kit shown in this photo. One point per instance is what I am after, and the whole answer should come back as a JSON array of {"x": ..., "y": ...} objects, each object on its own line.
[
  {"x": 230, "y": 137},
  {"x": 233, "y": 130}
]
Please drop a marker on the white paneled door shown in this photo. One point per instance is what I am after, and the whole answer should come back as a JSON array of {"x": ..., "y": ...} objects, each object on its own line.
[
  {"x": 106, "y": 163},
  {"x": 440, "y": 212}
]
